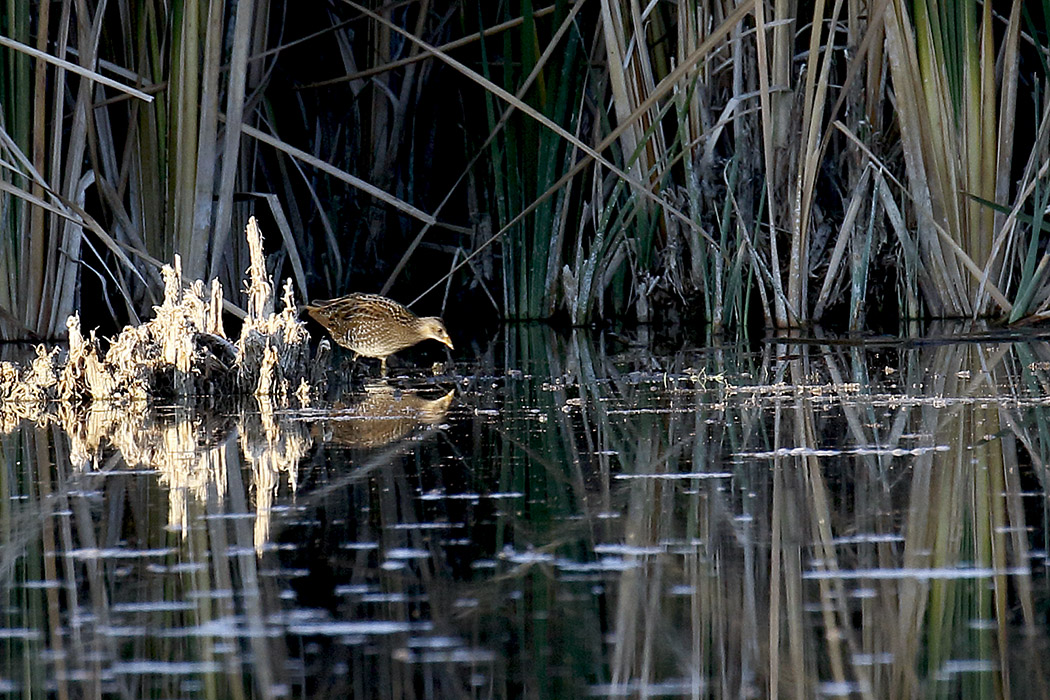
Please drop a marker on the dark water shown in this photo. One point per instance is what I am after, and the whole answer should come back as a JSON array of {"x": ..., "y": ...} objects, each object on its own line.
[{"x": 569, "y": 516}]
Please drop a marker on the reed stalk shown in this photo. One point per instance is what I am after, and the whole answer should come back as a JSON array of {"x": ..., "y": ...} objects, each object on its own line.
[
  {"x": 956, "y": 142},
  {"x": 640, "y": 160}
]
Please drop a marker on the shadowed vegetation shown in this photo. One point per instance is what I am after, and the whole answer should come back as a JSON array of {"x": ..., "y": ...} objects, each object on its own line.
[{"x": 773, "y": 163}]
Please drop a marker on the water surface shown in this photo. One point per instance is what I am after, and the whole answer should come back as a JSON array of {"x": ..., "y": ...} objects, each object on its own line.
[{"x": 564, "y": 516}]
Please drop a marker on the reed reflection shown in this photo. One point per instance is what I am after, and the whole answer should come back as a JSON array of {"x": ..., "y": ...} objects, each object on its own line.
[
  {"x": 582, "y": 517},
  {"x": 817, "y": 519},
  {"x": 177, "y": 602}
]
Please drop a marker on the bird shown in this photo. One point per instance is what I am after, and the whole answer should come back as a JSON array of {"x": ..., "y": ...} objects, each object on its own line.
[{"x": 371, "y": 325}]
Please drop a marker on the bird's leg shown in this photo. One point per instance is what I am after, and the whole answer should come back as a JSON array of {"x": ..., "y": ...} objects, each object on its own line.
[{"x": 382, "y": 366}]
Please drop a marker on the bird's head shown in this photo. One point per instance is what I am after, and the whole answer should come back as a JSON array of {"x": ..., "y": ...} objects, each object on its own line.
[{"x": 434, "y": 327}]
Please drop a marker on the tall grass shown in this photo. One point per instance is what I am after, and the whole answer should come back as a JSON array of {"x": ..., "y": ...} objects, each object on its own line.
[
  {"x": 738, "y": 163},
  {"x": 957, "y": 129}
]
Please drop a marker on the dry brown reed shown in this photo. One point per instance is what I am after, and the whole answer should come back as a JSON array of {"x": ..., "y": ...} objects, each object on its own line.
[
  {"x": 736, "y": 161},
  {"x": 182, "y": 352}
]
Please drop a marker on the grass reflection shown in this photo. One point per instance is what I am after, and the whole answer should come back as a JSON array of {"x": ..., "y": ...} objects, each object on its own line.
[
  {"x": 797, "y": 555},
  {"x": 580, "y": 518}
]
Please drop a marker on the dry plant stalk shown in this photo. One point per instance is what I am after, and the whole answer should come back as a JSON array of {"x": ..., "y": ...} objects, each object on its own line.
[
  {"x": 181, "y": 352},
  {"x": 273, "y": 351}
]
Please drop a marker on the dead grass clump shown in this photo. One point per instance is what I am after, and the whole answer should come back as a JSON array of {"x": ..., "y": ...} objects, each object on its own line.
[{"x": 182, "y": 352}]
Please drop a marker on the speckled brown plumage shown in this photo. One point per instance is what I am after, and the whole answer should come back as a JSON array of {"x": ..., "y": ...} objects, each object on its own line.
[{"x": 374, "y": 326}]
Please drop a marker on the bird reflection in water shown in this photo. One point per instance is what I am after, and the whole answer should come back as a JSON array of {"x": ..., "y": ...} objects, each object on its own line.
[{"x": 384, "y": 414}]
